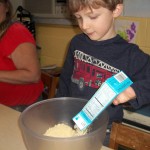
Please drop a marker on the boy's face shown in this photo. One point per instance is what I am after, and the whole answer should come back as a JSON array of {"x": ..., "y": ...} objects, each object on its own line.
[{"x": 97, "y": 24}]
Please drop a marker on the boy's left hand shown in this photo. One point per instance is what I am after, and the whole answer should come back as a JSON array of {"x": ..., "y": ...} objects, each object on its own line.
[{"x": 125, "y": 96}]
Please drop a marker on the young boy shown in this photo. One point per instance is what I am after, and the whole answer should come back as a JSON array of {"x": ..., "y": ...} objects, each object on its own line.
[{"x": 99, "y": 53}]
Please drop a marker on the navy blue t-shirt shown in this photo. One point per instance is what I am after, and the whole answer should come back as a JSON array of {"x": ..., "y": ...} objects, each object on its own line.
[{"x": 89, "y": 63}]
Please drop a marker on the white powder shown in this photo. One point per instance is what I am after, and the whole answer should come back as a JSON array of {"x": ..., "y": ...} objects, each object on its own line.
[{"x": 63, "y": 130}]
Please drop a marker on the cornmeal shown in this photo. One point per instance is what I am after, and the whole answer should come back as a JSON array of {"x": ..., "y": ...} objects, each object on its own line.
[{"x": 63, "y": 130}]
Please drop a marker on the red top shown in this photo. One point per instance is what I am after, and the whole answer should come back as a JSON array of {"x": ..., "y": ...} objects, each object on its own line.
[{"x": 16, "y": 94}]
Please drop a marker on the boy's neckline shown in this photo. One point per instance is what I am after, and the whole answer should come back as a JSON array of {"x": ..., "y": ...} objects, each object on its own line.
[{"x": 117, "y": 37}]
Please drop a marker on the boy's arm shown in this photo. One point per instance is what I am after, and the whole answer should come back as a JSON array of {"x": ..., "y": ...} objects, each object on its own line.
[
  {"x": 65, "y": 77},
  {"x": 139, "y": 72},
  {"x": 125, "y": 96}
]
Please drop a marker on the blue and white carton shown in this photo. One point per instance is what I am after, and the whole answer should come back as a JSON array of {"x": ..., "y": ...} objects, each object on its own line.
[{"x": 103, "y": 97}]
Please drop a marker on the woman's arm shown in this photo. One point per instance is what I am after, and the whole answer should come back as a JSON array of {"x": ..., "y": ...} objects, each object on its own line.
[{"x": 26, "y": 61}]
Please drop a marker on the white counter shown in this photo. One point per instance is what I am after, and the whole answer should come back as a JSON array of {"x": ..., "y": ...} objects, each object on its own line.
[{"x": 140, "y": 117}]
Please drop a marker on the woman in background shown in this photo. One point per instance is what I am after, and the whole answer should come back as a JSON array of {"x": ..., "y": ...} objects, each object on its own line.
[{"x": 20, "y": 82}]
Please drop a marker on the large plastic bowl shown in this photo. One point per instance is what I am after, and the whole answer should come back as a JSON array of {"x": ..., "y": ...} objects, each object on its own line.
[{"x": 37, "y": 118}]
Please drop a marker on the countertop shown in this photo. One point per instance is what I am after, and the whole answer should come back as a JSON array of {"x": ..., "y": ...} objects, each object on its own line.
[
  {"x": 10, "y": 134},
  {"x": 139, "y": 118}
]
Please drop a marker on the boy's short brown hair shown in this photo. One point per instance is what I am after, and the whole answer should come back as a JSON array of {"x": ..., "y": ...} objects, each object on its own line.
[{"x": 76, "y": 5}]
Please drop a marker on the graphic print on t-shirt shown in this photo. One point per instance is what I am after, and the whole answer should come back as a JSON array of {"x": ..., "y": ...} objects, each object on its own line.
[{"x": 90, "y": 71}]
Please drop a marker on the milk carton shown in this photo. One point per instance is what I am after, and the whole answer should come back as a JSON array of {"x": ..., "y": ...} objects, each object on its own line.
[{"x": 102, "y": 99}]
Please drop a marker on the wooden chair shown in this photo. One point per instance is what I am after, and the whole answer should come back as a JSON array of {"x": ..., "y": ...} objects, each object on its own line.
[
  {"x": 50, "y": 80},
  {"x": 129, "y": 137}
]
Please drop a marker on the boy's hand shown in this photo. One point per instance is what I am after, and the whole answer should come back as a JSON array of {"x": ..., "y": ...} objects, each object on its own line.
[{"x": 125, "y": 96}]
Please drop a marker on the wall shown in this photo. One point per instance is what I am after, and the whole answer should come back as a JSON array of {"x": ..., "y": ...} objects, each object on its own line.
[
  {"x": 54, "y": 40},
  {"x": 16, "y": 3},
  {"x": 143, "y": 32},
  {"x": 137, "y": 8}
]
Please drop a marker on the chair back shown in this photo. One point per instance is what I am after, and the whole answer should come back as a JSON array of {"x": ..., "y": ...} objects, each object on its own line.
[{"x": 129, "y": 137}]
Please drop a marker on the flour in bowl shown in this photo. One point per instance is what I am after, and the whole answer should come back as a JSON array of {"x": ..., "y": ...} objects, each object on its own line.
[{"x": 63, "y": 130}]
